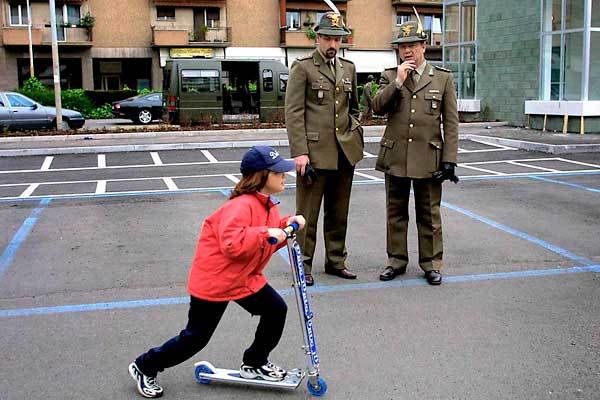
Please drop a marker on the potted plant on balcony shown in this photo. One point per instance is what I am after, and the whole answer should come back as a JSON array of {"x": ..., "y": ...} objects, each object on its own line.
[
  {"x": 310, "y": 33},
  {"x": 87, "y": 21},
  {"x": 308, "y": 22},
  {"x": 200, "y": 34}
]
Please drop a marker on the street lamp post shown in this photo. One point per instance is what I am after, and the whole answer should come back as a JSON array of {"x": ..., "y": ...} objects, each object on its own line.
[{"x": 55, "y": 65}]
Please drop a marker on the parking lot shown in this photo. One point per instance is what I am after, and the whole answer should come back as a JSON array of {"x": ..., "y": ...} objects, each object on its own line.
[{"x": 96, "y": 249}]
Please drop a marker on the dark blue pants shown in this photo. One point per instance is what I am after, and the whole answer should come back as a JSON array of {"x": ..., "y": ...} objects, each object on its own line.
[{"x": 203, "y": 318}]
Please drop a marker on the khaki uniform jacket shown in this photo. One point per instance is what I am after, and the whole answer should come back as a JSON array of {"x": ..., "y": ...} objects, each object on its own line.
[
  {"x": 322, "y": 111},
  {"x": 412, "y": 145}
]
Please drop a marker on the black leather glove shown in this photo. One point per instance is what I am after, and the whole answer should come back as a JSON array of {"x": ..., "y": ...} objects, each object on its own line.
[
  {"x": 310, "y": 175},
  {"x": 446, "y": 172}
]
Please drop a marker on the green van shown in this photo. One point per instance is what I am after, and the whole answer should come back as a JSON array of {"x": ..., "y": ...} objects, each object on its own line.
[{"x": 221, "y": 90}]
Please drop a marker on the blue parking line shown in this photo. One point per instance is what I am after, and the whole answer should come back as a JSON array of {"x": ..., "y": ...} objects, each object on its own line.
[
  {"x": 573, "y": 185},
  {"x": 11, "y": 250},
  {"x": 522, "y": 235},
  {"x": 119, "y": 305}
]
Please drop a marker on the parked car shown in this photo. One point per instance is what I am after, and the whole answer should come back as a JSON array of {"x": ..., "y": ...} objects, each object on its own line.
[
  {"x": 141, "y": 109},
  {"x": 19, "y": 112}
]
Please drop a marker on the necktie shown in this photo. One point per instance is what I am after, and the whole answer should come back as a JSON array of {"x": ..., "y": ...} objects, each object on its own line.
[
  {"x": 415, "y": 77},
  {"x": 331, "y": 67}
]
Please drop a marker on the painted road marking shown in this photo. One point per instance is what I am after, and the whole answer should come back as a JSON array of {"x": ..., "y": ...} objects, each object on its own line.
[
  {"x": 156, "y": 158},
  {"x": 170, "y": 184},
  {"x": 47, "y": 162},
  {"x": 209, "y": 156},
  {"x": 232, "y": 178},
  {"x": 101, "y": 187},
  {"x": 101, "y": 163}
]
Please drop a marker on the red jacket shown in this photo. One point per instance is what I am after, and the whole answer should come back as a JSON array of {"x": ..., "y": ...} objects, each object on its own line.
[{"x": 233, "y": 251}]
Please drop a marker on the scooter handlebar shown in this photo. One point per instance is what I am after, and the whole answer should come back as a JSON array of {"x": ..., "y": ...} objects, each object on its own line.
[{"x": 289, "y": 231}]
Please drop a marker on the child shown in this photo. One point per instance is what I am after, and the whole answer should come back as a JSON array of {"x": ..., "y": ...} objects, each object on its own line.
[{"x": 231, "y": 253}]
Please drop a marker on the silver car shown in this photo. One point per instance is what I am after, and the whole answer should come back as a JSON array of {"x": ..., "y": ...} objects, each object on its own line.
[{"x": 19, "y": 112}]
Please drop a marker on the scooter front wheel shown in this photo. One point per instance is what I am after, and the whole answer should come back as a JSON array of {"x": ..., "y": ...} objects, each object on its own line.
[
  {"x": 203, "y": 369},
  {"x": 319, "y": 390}
]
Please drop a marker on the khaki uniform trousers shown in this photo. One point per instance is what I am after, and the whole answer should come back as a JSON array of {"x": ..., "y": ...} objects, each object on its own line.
[
  {"x": 428, "y": 197},
  {"x": 333, "y": 188}
]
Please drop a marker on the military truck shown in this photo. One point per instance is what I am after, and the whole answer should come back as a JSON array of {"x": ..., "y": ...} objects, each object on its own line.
[{"x": 220, "y": 90}]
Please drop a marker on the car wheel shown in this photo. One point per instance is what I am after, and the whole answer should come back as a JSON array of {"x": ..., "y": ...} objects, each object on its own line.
[{"x": 144, "y": 116}]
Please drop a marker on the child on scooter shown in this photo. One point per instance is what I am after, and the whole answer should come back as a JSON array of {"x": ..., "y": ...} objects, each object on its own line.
[{"x": 231, "y": 253}]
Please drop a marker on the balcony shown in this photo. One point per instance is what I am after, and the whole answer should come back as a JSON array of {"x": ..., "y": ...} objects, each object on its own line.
[
  {"x": 185, "y": 35},
  {"x": 41, "y": 35},
  {"x": 417, "y": 3},
  {"x": 298, "y": 38}
]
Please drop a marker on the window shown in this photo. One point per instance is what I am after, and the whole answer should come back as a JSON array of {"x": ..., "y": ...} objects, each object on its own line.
[
  {"x": 16, "y": 100},
  {"x": 432, "y": 24},
  {"x": 293, "y": 20},
  {"x": 267, "y": 76},
  {"x": 199, "y": 80},
  {"x": 283, "y": 81},
  {"x": 460, "y": 44},
  {"x": 569, "y": 50},
  {"x": 19, "y": 14},
  {"x": 165, "y": 13}
]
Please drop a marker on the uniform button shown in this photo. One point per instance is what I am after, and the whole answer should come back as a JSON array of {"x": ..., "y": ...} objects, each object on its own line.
[
  {"x": 337, "y": 88},
  {"x": 412, "y": 111},
  {"x": 410, "y": 140},
  {"x": 337, "y": 102},
  {"x": 337, "y": 115},
  {"x": 321, "y": 87},
  {"x": 337, "y": 129},
  {"x": 414, "y": 96},
  {"x": 411, "y": 125}
]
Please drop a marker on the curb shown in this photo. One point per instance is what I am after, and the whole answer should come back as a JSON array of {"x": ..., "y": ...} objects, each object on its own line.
[{"x": 536, "y": 146}]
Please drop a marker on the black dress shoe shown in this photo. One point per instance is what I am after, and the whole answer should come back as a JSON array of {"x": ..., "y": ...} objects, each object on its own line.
[
  {"x": 390, "y": 273},
  {"x": 433, "y": 277},
  {"x": 342, "y": 273},
  {"x": 309, "y": 280}
]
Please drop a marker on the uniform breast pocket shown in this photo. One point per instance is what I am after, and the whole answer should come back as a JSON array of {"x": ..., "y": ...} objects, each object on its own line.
[
  {"x": 320, "y": 92},
  {"x": 433, "y": 102}
]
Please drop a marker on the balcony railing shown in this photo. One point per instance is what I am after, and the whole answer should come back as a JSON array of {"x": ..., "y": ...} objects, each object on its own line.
[
  {"x": 186, "y": 35},
  {"x": 41, "y": 35},
  {"x": 417, "y": 2},
  {"x": 299, "y": 38}
]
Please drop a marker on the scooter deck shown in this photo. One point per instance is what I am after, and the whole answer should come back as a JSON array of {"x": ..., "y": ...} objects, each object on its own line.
[{"x": 206, "y": 373}]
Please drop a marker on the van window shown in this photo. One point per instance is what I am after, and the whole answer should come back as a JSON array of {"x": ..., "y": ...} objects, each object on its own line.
[
  {"x": 166, "y": 79},
  {"x": 199, "y": 80},
  {"x": 283, "y": 79},
  {"x": 267, "y": 80}
]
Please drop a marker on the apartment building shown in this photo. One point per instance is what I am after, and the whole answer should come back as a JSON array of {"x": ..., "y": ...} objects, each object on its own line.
[{"x": 110, "y": 44}]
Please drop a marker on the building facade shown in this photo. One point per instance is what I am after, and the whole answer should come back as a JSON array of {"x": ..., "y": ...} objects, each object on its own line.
[
  {"x": 532, "y": 63},
  {"x": 112, "y": 44}
]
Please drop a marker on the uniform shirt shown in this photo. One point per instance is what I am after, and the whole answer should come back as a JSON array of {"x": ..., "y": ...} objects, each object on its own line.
[{"x": 232, "y": 249}]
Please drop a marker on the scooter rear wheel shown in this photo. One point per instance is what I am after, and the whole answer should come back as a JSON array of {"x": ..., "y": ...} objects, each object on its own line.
[
  {"x": 204, "y": 369},
  {"x": 319, "y": 390}
]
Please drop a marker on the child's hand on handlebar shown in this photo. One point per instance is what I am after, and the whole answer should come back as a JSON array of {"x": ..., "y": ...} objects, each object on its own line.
[
  {"x": 278, "y": 234},
  {"x": 299, "y": 219}
]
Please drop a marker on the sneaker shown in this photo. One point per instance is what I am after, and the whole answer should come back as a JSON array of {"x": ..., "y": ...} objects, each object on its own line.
[
  {"x": 146, "y": 385},
  {"x": 268, "y": 372}
]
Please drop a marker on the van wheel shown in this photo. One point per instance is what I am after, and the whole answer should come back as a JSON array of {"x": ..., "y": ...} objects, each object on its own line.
[{"x": 144, "y": 116}]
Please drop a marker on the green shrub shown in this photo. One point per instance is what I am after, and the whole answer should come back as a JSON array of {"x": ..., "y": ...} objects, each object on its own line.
[
  {"x": 104, "y": 112},
  {"x": 75, "y": 99}
]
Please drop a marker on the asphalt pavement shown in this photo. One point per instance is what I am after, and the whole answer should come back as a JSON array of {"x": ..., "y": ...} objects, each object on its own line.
[{"x": 97, "y": 236}]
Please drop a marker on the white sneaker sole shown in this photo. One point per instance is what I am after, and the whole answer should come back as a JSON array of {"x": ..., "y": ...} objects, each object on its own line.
[
  {"x": 134, "y": 376},
  {"x": 252, "y": 375}
]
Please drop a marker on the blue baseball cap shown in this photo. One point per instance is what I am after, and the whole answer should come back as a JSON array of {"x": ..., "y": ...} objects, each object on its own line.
[{"x": 259, "y": 158}]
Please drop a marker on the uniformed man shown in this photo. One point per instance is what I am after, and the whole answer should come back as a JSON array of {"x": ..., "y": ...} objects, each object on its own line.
[
  {"x": 368, "y": 95},
  {"x": 417, "y": 97},
  {"x": 326, "y": 141}
]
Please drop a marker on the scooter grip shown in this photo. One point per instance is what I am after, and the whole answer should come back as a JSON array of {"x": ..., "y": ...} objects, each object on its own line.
[{"x": 291, "y": 228}]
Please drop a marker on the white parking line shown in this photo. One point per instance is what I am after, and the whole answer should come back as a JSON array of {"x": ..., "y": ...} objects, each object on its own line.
[
  {"x": 101, "y": 187},
  {"x": 578, "y": 162},
  {"x": 47, "y": 162},
  {"x": 375, "y": 178},
  {"x": 369, "y": 155},
  {"x": 209, "y": 156},
  {"x": 101, "y": 160},
  {"x": 481, "y": 169},
  {"x": 232, "y": 178},
  {"x": 30, "y": 189},
  {"x": 170, "y": 184},
  {"x": 156, "y": 158},
  {"x": 531, "y": 166}
]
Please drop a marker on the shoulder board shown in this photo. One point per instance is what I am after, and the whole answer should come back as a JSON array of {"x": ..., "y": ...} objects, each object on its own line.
[
  {"x": 304, "y": 58},
  {"x": 442, "y": 69},
  {"x": 345, "y": 59},
  {"x": 391, "y": 69}
]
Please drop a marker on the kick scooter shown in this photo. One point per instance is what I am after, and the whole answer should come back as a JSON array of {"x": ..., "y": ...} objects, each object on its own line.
[{"x": 205, "y": 372}]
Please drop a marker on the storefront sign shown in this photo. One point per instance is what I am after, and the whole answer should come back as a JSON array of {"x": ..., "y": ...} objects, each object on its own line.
[{"x": 191, "y": 52}]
